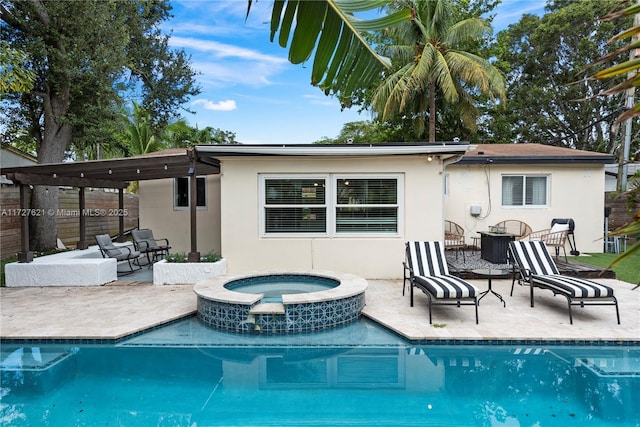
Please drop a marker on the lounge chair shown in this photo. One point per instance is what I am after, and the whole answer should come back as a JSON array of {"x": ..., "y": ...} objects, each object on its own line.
[
  {"x": 534, "y": 266},
  {"x": 144, "y": 242},
  {"x": 454, "y": 237},
  {"x": 120, "y": 253},
  {"x": 427, "y": 267}
]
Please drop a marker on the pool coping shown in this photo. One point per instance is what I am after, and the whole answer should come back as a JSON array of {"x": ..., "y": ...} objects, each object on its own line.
[{"x": 214, "y": 289}]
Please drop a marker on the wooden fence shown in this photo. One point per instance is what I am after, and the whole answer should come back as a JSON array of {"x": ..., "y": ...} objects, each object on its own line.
[
  {"x": 622, "y": 211},
  {"x": 101, "y": 206}
]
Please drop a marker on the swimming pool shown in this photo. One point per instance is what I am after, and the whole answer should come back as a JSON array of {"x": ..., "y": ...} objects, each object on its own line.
[{"x": 187, "y": 374}]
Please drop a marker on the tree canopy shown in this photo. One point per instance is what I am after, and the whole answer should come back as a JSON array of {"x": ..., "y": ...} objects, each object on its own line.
[{"x": 87, "y": 56}]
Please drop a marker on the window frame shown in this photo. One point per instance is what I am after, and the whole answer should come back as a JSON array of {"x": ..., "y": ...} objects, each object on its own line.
[
  {"x": 331, "y": 204},
  {"x": 199, "y": 178},
  {"x": 524, "y": 204}
]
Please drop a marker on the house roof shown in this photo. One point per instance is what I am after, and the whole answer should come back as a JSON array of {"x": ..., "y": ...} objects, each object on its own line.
[
  {"x": 531, "y": 154},
  {"x": 116, "y": 173}
]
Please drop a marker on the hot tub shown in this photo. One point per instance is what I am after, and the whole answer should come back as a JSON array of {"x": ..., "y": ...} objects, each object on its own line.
[{"x": 280, "y": 303}]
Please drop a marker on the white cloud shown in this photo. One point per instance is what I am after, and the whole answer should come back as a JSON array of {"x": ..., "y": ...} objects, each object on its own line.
[
  {"x": 323, "y": 100},
  {"x": 223, "y": 50},
  {"x": 225, "y": 105}
]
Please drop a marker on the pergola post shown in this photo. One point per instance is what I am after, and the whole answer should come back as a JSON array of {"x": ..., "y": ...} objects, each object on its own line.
[
  {"x": 82, "y": 243},
  {"x": 121, "y": 237},
  {"x": 194, "y": 255},
  {"x": 25, "y": 255}
]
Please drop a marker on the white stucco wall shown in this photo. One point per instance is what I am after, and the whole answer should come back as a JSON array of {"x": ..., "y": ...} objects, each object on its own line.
[
  {"x": 158, "y": 214},
  {"x": 575, "y": 191},
  {"x": 370, "y": 257}
]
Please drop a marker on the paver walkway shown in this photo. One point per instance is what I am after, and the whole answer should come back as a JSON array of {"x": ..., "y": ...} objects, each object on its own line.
[{"x": 120, "y": 309}]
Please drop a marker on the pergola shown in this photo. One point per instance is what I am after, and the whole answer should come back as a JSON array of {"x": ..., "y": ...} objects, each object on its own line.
[{"x": 112, "y": 173}]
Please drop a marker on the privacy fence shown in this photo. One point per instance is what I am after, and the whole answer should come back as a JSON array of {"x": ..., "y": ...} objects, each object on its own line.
[{"x": 101, "y": 216}]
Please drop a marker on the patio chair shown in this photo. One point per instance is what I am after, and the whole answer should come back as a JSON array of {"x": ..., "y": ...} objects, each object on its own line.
[
  {"x": 516, "y": 227},
  {"x": 120, "y": 253},
  {"x": 144, "y": 242},
  {"x": 534, "y": 265},
  {"x": 454, "y": 238},
  {"x": 554, "y": 237},
  {"x": 427, "y": 267}
]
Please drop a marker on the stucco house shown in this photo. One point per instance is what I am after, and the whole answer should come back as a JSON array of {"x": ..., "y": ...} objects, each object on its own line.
[
  {"x": 532, "y": 183},
  {"x": 352, "y": 207},
  {"x": 324, "y": 207}
]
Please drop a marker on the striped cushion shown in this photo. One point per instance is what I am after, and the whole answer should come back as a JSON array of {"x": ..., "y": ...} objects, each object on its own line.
[
  {"x": 447, "y": 286},
  {"x": 573, "y": 286},
  {"x": 534, "y": 257},
  {"x": 427, "y": 258}
]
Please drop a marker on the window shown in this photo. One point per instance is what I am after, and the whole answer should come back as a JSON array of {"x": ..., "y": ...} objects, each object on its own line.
[
  {"x": 366, "y": 205},
  {"x": 329, "y": 205},
  {"x": 181, "y": 192},
  {"x": 295, "y": 205},
  {"x": 524, "y": 190}
]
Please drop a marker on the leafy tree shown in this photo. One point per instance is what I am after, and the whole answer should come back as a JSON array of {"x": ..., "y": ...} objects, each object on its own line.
[
  {"x": 431, "y": 58},
  {"x": 15, "y": 76},
  {"x": 542, "y": 58},
  {"x": 371, "y": 132},
  {"x": 86, "y": 55}
]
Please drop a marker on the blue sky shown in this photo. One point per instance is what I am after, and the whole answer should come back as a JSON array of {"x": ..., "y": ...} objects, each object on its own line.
[{"x": 249, "y": 87}]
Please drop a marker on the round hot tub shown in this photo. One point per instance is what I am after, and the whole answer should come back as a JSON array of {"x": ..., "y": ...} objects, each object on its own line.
[{"x": 280, "y": 303}]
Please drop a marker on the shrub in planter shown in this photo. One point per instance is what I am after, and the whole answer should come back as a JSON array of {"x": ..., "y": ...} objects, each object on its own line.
[{"x": 176, "y": 270}]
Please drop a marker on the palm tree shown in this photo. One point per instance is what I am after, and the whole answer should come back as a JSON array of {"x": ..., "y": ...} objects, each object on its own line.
[
  {"x": 430, "y": 57},
  {"x": 139, "y": 134}
]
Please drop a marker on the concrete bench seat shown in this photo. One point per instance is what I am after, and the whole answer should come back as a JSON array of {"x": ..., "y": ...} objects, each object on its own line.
[{"x": 73, "y": 268}]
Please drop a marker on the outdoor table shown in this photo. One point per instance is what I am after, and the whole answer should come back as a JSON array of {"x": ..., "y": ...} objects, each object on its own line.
[
  {"x": 494, "y": 246},
  {"x": 491, "y": 273}
]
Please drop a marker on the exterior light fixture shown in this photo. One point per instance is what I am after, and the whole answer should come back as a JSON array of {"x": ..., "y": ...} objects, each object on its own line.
[{"x": 429, "y": 158}]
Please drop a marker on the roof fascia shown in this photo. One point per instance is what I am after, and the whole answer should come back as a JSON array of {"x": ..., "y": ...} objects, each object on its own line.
[
  {"x": 535, "y": 160},
  {"x": 332, "y": 149}
]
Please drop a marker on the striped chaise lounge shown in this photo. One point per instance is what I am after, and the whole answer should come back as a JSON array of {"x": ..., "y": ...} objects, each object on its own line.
[
  {"x": 427, "y": 267},
  {"x": 536, "y": 267}
]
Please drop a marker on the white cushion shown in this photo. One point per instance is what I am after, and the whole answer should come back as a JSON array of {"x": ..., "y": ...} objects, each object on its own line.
[{"x": 559, "y": 227}]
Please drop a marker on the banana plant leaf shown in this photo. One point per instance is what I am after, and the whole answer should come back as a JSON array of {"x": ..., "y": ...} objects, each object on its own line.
[{"x": 329, "y": 31}]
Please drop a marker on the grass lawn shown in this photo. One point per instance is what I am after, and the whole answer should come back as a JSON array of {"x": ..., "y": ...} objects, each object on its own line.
[{"x": 627, "y": 271}]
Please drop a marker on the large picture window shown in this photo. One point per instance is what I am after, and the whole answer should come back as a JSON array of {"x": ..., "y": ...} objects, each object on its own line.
[
  {"x": 330, "y": 204},
  {"x": 524, "y": 190},
  {"x": 181, "y": 192}
]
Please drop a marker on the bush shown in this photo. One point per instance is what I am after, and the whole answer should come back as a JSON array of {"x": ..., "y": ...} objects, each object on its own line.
[{"x": 183, "y": 257}]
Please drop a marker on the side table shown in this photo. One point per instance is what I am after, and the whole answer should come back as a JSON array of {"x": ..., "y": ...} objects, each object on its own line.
[{"x": 491, "y": 273}]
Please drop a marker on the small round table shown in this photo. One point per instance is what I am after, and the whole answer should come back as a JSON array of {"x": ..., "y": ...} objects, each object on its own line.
[{"x": 489, "y": 274}]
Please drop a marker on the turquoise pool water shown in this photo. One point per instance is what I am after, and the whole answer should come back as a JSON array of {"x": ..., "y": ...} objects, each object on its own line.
[
  {"x": 189, "y": 375},
  {"x": 272, "y": 287}
]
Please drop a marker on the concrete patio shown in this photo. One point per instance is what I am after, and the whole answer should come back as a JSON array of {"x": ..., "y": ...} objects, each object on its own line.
[{"x": 127, "y": 307}]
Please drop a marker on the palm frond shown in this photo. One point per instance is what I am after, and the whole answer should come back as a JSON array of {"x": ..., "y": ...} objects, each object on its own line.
[{"x": 343, "y": 60}]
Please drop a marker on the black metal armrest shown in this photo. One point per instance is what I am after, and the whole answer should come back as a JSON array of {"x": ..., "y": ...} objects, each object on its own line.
[{"x": 166, "y": 241}]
